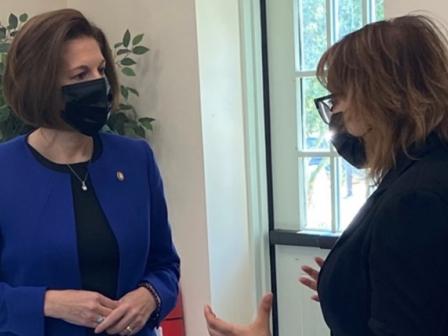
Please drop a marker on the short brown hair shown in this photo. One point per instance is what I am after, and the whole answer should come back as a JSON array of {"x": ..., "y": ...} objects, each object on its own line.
[
  {"x": 394, "y": 74},
  {"x": 34, "y": 64}
]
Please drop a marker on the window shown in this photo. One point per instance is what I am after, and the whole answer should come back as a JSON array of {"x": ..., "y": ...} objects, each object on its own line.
[{"x": 314, "y": 189}]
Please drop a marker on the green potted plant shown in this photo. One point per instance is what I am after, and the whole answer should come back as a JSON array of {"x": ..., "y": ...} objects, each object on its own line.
[{"x": 124, "y": 121}]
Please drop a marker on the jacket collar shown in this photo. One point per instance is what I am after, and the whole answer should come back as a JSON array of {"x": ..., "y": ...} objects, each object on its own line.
[
  {"x": 416, "y": 152},
  {"x": 403, "y": 163}
]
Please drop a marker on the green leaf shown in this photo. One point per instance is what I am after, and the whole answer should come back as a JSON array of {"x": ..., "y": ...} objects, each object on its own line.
[
  {"x": 128, "y": 61},
  {"x": 123, "y": 51},
  {"x": 129, "y": 131},
  {"x": 124, "y": 92},
  {"x": 134, "y": 130},
  {"x": 118, "y": 117},
  {"x": 2, "y": 33},
  {"x": 147, "y": 122},
  {"x": 126, "y": 38},
  {"x": 4, "y": 113},
  {"x": 131, "y": 123},
  {"x": 13, "y": 21},
  {"x": 116, "y": 122},
  {"x": 137, "y": 39},
  {"x": 23, "y": 17},
  {"x": 134, "y": 91},
  {"x": 128, "y": 71},
  {"x": 140, "y": 131},
  {"x": 130, "y": 128},
  {"x": 140, "y": 50},
  {"x": 4, "y": 47},
  {"x": 125, "y": 107},
  {"x": 118, "y": 45}
]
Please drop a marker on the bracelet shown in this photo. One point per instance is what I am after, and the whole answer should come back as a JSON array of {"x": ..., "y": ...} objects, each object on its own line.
[
  {"x": 153, "y": 292},
  {"x": 154, "y": 319}
]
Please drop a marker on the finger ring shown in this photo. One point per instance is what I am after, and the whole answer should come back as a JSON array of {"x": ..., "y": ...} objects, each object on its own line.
[
  {"x": 99, "y": 319},
  {"x": 129, "y": 329}
]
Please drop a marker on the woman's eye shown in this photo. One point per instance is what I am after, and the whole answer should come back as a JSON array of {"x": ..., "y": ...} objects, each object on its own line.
[
  {"x": 333, "y": 102},
  {"x": 80, "y": 76}
]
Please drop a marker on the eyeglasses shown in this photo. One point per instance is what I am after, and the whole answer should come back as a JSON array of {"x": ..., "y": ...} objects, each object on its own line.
[{"x": 325, "y": 106}]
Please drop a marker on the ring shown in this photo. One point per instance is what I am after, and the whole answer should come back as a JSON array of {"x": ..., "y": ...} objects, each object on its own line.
[
  {"x": 99, "y": 319},
  {"x": 129, "y": 329}
]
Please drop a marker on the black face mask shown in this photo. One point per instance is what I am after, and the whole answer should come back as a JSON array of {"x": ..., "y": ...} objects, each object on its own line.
[
  {"x": 351, "y": 148},
  {"x": 87, "y": 105}
]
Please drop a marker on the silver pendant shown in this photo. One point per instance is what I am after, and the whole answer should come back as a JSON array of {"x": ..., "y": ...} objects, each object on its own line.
[{"x": 83, "y": 186}]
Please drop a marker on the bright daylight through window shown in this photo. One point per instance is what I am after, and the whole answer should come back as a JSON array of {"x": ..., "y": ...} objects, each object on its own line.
[{"x": 331, "y": 191}]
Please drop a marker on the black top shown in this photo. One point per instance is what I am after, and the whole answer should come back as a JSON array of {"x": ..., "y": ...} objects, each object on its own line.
[
  {"x": 97, "y": 245},
  {"x": 388, "y": 273}
]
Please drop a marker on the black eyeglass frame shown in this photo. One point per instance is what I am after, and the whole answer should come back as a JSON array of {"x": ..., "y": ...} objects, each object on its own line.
[{"x": 321, "y": 101}]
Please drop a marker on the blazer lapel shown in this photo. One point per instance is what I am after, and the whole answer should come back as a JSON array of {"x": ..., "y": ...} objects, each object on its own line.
[
  {"x": 118, "y": 192},
  {"x": 403, "y": 164}
]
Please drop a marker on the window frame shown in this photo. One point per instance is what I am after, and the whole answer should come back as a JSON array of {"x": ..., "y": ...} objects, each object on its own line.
[
  {"x": 289, "y": 237},
  {"x": 368, "y": 11},
  {"x": 368, "y": 14}
]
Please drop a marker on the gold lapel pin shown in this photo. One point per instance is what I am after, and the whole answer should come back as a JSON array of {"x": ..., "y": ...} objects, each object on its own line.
[{"x": 120, "y": 176}]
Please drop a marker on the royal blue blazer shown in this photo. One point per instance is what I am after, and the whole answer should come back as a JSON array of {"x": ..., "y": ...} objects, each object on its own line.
[{"x": 38, "y": 244}]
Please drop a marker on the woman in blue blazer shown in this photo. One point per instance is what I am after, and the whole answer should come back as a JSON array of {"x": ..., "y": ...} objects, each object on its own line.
[
  {"x": 387, "y": 275},
  {"x": 86, "y": 247}
]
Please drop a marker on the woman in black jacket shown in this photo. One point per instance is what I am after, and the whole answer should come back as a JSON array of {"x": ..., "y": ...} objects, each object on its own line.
[{"x": 388, "y": 108}]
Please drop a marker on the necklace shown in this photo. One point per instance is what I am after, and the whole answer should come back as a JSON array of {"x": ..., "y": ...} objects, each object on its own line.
[{"x": 83, "y": 181}]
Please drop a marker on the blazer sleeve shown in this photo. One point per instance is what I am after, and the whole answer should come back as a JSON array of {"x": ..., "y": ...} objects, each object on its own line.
[
  {"x": 409, "y": 266},
  {"x": 22, "y": 310},
  {"x": 163, "y": 265}
]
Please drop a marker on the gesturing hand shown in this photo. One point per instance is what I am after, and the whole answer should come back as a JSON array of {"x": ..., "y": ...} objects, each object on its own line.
[
  {"x": 259, "y": 327},
  {"x": 311, "y": 281},
  {"x": 131, "y": 315}
]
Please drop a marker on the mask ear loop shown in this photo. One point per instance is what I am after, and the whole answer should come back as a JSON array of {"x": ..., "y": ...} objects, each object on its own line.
[
  {"x": 108, "y": 87},
  {"x": 109, "y": 96}
]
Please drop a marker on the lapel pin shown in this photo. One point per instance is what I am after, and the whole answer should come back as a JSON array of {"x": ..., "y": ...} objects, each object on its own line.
[{"x": 120, "y": 176}]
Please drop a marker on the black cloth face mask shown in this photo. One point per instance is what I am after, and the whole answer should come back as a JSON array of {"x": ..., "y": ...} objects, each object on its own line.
[
  {"x": 87, "y": 105},
  {"x": 350, "y": 147}
]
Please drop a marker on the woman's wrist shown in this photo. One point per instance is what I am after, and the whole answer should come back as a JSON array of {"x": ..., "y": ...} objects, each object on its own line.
[
  {"x": 153, "y": 293},
  {"x": 50, "y": 303},
  {"x": 154, "y": 318}
]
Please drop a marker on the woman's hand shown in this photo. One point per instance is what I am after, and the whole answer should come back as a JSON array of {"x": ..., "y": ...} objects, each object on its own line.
[
  {"x": 311, "y": 281},
  {"x": 260, "y": 327},
  {"x": 131, "y": 315},
  {"x": 79, "y": 307}
]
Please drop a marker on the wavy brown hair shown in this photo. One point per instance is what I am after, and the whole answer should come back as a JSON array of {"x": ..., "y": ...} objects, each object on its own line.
[
  {"x": 34, "y": 65},
  {"x": 394, "y": 74}
]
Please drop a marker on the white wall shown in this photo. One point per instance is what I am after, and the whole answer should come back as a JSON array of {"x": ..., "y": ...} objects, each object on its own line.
[
  {"x": 25, "y": 6},
  {"x": 298, "y": 314},
  {"x": 231, "y": 268},
  {"x": 439, "y": 8}
]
